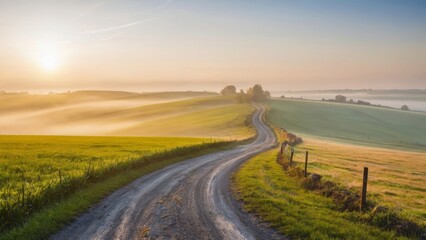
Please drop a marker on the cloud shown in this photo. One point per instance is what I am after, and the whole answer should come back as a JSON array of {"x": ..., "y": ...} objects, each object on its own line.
[
  {"x": 130, "y": 24},
  {"x": 117, "y": 27}
]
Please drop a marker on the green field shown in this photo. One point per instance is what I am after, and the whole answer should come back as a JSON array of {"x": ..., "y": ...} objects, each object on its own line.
[
  {"x": 266, "y": 190},
  {"x": 40, "y": 157},
  {"x": 35, "y": 169},
  {"x": 231, "y": 121},
  {"x": 372, "y": 126}
]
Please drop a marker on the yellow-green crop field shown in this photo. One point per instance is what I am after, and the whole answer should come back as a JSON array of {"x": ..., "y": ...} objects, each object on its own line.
[
  {"x": 36, "y": 171},
  {"x": 396, "y": 178}
]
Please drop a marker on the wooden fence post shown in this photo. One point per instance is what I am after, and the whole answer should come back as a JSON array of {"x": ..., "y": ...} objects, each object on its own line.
[
  {"x": 291, "y": 156},
  {"x": 60, "y": 176},
  {"x": 364, "y": 189},
  {"x": 306, "y": 164}
]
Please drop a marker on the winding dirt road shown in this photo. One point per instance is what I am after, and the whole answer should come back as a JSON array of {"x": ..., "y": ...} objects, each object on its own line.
[{"x": 187, "y": 200}]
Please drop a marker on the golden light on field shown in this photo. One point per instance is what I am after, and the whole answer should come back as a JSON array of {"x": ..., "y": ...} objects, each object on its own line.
[{"x": 48, "y": 56}]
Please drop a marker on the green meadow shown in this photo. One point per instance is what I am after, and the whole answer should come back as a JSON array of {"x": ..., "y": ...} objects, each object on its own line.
[
  {"x": 226, "y": 122},
  {"x": 34, "y": 170},
  {"x": 37, "y": 159},
  {"x": 371, "y": 126}
]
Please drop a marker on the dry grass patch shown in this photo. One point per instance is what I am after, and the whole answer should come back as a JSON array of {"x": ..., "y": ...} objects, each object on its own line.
[{"x": 396, "y": 178}]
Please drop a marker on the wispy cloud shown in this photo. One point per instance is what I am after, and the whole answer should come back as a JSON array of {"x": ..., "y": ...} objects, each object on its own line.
[
  {"x": 117, "y": 27},
  {"x": 130, "y": 24}
]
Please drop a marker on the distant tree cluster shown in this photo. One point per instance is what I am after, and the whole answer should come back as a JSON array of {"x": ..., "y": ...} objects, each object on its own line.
[
  {"x": 255, "y": 93},
  {"x": 363, "y": 102},
  {"x": 343, "y": 99},
  {"x": 229, "y": 90},
  {"x": 405, "y": 107},
  {"x": 340, "y": 98}
]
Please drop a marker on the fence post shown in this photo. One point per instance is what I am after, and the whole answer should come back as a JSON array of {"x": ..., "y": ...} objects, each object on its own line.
[
  {"x": 291, "y": 156},
  {"x": 23, "y": 189},
  {"x": 306, "y": 164},
  {"x": 282, "y": 148},
  {"x": 364, "y": 189}
]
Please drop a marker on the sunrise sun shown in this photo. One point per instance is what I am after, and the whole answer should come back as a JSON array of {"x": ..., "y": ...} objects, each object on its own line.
[{"x": 48, "y": 56}]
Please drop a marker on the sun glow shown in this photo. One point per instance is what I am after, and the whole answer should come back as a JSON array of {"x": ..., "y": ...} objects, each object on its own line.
[{"x": 48, "y": 56}]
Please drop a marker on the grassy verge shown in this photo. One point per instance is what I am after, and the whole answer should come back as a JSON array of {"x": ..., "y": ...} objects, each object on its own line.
[
  {"x": 51, "y": 219},
  {"x": 267, "y": 190}
]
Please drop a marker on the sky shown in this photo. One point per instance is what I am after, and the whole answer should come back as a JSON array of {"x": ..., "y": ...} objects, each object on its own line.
[{"x": 153, "y": 45}]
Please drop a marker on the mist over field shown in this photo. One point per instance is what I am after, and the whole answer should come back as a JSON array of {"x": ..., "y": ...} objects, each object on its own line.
[
  {"x": 121, "y": 114},
  {"x": 415, "y": 99}
]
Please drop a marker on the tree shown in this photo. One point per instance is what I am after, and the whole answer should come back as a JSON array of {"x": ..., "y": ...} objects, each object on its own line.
[
  {"x": 229, "y": 90},
  {"x": 256, "y": 93},
  {"x": 405, "y": 107},
  {"x": 241, "y": 96},
  {"x": 340, "y": 98}
]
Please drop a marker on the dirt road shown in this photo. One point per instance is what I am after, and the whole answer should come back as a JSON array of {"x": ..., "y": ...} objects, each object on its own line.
[{"x": 188, "y": 200}]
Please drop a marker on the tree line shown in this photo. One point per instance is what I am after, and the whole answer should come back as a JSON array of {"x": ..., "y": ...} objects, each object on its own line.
[{"x": 255, "y": 93}]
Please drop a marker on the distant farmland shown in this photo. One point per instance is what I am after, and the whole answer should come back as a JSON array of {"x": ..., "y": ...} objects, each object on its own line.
[
  {"x": 371, "y": 126},
  {"x": 199, "y": 114},
  {"x": 342, "y": 139}
]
